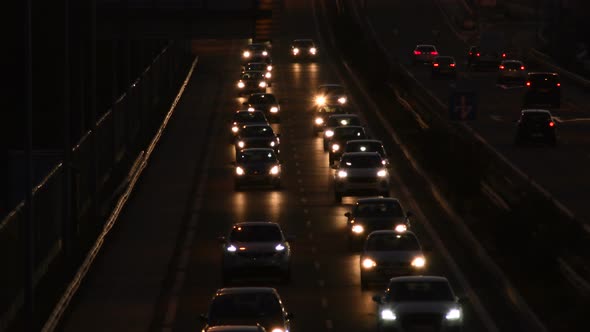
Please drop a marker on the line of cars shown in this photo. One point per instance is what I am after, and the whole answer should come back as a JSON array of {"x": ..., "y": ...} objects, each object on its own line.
[
  {"x": 542, "y": 89},
  {"x": 379, "y": 226}
]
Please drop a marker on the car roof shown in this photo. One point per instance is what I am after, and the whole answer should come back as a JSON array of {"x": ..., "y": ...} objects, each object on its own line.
[
  {"x": 256, "y": 223},
  {"x": 245, "y": 290},
  {"x": 331, "y": 85},
  {"x": 262, "y": 94},
  {"x": 346, "y": 115},
  {"x": 253, "y": 71},
  {"x": 425, "y": 45},
  {"x": 364, "y": 141},
  {"x": 391, "y": 231},
  {"x": 376, "y": 199},
  {"x": 360, "y": 154},
  {"x": 542, "y": 73},
  {"x": 527, "y": 111},
  {"x": 304, "y": 39},
  {"x": 246, "y": 111},
  {"x": 512, "y": 60},
  {"x": 256, "y": 63},
  {"x": 258, "y": 149},
  {"x": 235, "y": 328},
  {"x": 419, "y": 278},
  {"x": 257, "y": 125}
]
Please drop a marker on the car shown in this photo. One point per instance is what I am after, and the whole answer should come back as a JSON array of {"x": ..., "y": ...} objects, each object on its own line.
[
  {"x": 252, "y": 81},
  {"x": 444, "y": 65},
  {"x": 256, "y": 247},
  {"x": 236, "y": 328},
  {"x": 257, "y": 136},
  {"x": 245, "y": 117},
  {"x": 255, "y": 50},
  {"x": 343, "y": 134},
  {"x": 511, "y": 71},
  {"x": 389, "y": 253},
  {"x": 260, "y": 66},
  {"x": 266, "y": 102},
  {"x": 490, "y": 50},
  {"x": 542, "y": 88},
  {"x": 425, "y": 302},
  {"x": 360, "y": 173},
  {"x": 331, "y": 94},
  {"x": 535, "y": 125},
  {"x": 303, "y": 48},
  {"x": 248, "y": 306},
  {"x": 338, "y": 120},
  {"x": 424, "y": 54},
  {"x": 375, "y": 213},
  {"x": 321, "y": 115},
  {"x": 257, "y": 166},
  {"x": 367, "y": 145}
]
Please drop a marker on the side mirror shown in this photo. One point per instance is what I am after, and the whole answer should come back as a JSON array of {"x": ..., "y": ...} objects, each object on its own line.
[
  {"x": 289, "y": 315},
  {"x": 347, "y": 214},
  {"x": 377, "y": 299}
]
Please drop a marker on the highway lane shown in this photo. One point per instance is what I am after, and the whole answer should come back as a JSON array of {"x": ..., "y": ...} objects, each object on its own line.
[{"x": 563, "y": 170}]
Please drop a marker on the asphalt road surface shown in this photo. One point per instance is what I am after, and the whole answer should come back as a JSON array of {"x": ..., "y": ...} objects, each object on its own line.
[{"x": 162, "y": 264}]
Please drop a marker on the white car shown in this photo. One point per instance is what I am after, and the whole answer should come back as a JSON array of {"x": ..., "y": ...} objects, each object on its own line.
[
  {"x": 338, "y": 120},
  {"x": 390, "y": 253},
  {"x": 257, "y": 247},
  {"x": 427, "y": 302},
  {"x": 331, "y": 94},
  {"x": 360, "y": 173},
  {"x": 511, "y": 70}
]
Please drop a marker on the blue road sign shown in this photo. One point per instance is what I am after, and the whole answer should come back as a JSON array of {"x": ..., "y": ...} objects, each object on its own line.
[{"x": 463, "y": 105}]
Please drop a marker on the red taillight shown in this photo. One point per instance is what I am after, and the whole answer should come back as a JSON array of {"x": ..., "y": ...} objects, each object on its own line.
[
  {"x": 528, "y": 83},
  {"x": 452, "y": 65},
  {"x": 434, "y": 53},
  {"x": 502, "y": 67},
  {"x": 558, "y": 84},
  {"x": 503, "y": 55},
  {"x": 477, "y": 54},
  {"x": 470, "y": 53},
  {"x": 435, "y": 64},
  {"x": 417, "y": 52},
  {"x": 521, "y": 67},
  {"x": 551, "y": 124}
]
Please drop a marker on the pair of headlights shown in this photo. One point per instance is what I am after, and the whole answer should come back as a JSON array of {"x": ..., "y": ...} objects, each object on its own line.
[
  {"x": 275, "y": 170},
  {"x": 452, "y": 315},
  {"x": 261, "y": 84},
  {"x": 343, "y": 174},
  {"x": 312, "y": 50},
  {"x": 231, "y": 248},
  {"x": 242, "y": 144},
  {"x": 418, "y": 262}
]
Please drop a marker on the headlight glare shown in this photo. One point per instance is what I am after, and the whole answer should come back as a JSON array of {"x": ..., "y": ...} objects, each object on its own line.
[
  {"x": 274, "y": 170},
  {"x": 369, "y": 263},
  {"x": 241, "y": 144},
  {"x": 342, "y": 100},
  {"x": 231, "y": 248},
  {"x": 319, "y": 121},
  {"x": 246, "y": 54},
  {"x": 277, "y": 330},
  {"x": 387, "y": 314},
  {"x": 274, "y": 109},
  {"x": 264, "y": 53},
  {"x": 269, "y": 68},
  {"x": 335, "y": 147},
  {"x": 241, "y": 85},
  {"x": 320, "y": 100},
  {"x": 273, "y": 144},
  {"x": 251, "y": 109},
  {"x": 342, "y": 174},
  {"x": 401, "y": 228},
  {"x": 419, "y": 262},
  {"x": 313, "y": 50},
  {"x": 295, "y": 51},
  {"x": 329, "y": 133},
  {"x": 453, "y": 314},
  {"x": 382, "y": 173},
  {"x": 235, "y": 129},
  {"x": 358, "y": 229},
  {"x": 280, "y": 247},
  {"x": 262, "y": 84},
  {"x": 267, "y": 75},
  {"x": 239, "y": 171}
]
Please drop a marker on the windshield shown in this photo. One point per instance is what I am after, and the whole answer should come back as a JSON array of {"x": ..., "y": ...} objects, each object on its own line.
[
  {"x": 332, "y": 90},
  {"x": 544, "y": 80},
  {"x": 364, "y": 147},
  {"x": 361, "y": 162},
  {"x": 330, "y": 109},
  {"x": 426, "y": 48},
  {"x": 257, "y": 156},
  {"x": 336, "y": 121},
  {"x": 252, "y": 75},
  {"x": 303, "y": 43},
  {"x": 381, "y": 209},
  {"x": 512, "y": 65},
  {"x": 256, "y": 47},
  {"x": 392, "y": 242},
  {"x": 262, "y": 99},
  {"x": 256, "y": 233},
  {"x": 257, "y": 131},
  {"x": 444, "y": 60},
  {"x": 536, "y": 117},
  {"x": 402, "y": 291},
  {"x": 245, "y": 117},
  {"x": 226, "y": 309},
  {"x": 348, "y": 132},
  {"x": 256, "y": 66}
]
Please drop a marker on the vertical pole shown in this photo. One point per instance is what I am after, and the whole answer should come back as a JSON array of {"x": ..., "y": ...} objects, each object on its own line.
[
  {"x": 29, "y": 227},
  {"x": 66, "y": 235}
]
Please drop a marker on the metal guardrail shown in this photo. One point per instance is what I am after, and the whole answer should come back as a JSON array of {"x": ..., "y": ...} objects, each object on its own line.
[{"x": 121, "y": 134}]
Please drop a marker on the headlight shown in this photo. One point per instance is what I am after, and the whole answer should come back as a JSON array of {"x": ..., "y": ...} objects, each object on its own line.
[
  {"x": 277, "y": 330},
  {"x": 342, "y": 174},
  {"x": 319, "y": 121},
  {"x": 262, "y": 84},
  {"x": 369, "y": 263},
  {"x": 295, "y": 51},
  {"x": 235, "y": 129},
  {"x": 387, "y": 314},
  {"x": 453, "y": 314},
  {"x": 320, "y": 100},
  {"x": 269, "y": 68},
  {"x": 246, "y": 54},
  {"x": 401, "y": 228},
  {"x": 313, "y": 50},
  {"x": 239, "y": 171},
  {"x": 329, "y": 133},
  {"x": 382, "y": 173},
  {"x": 274, "y": 109},
  {"x": 344, "y": 122},
  {"x": 280, "y": 247},
  {"x": 241, "y": 85},
  {"x": 251, "y": 109},
  {"x": 231, "y": 248},
  {"x": 267, "y": 75},
  {"x": 335, "y": 147},
  {"x": 264, "y": 53},
  {"x": 358, "y": 229},
  {"x": 419, "y": 262},
  {"x": 274, "y": 170},
  {"x": 342, "y": 100},
  {"x": 273, "y": 144},
  {"x": 241, "y": 144}
]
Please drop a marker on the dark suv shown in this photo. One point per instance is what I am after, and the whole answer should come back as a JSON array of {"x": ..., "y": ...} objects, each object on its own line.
[
  {"x": 542, "y": 88},
  {"x": 535, "y": 125}
]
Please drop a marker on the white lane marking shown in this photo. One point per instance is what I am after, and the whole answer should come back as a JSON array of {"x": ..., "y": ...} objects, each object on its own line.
[
  {"x": 324, "y": 302},
  {"x": 329, "y": 324},
  {"x": 316, "y": 265},
  {"x": 496, "y": 118}
]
